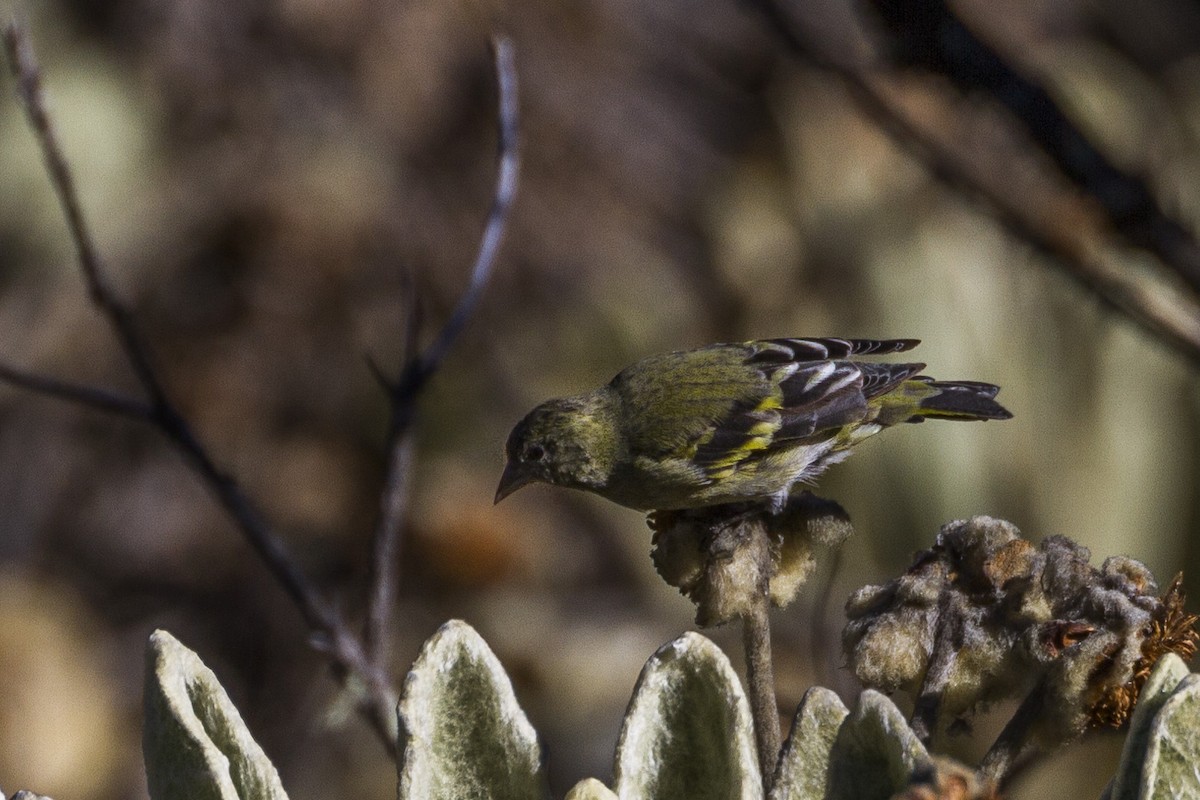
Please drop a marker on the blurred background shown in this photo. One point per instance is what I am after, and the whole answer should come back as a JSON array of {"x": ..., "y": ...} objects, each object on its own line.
[{"x": 262, "y": 176}]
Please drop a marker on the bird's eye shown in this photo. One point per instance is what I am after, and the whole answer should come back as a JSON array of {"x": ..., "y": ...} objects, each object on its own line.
[{"x": 535, "y": 452}]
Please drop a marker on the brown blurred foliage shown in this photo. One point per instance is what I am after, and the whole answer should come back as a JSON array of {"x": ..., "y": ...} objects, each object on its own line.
[{"x": 262, "y": 177}]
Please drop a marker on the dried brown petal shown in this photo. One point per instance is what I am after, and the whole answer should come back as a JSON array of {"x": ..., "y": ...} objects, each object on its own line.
[
  {"x": 1171, "y": 629},
  {"x": 1013, "y": 560},
  {"x": 1062, "y": 635}
]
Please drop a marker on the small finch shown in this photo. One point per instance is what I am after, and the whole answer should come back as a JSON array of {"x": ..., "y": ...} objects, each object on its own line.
[{"x": 730, "y": 423}]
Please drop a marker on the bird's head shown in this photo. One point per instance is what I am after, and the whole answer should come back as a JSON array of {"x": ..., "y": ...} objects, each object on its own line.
[{"x": 565, "y": 442}]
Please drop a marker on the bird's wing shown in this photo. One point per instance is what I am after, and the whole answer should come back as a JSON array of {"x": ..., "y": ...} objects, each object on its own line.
[
  {"x": 882, "y": 378},
  {"x": 805, "y": 400},
  {"x": 720, "y": 406},
  {"x": 788, "y": 350}
]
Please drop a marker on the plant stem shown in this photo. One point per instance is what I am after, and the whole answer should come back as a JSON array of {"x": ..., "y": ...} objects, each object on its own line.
[
  {"x": 947, "y": 642},
  {"x": 760, "y": 675},
  {"x": 1011, "y": 750}
]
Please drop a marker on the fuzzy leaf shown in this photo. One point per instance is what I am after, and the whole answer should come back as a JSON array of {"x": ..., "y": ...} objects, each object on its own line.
[
  {"x": 688, "y": 732},
  {"x": 875, "y": 752},
  {"x": 803, "y": 772},
  {"x": 1167, "y": 674},
  {"x": 1169, "y": 770},
  {"x": 462, "y": 733},
  {"x": 194, "y": 742}
]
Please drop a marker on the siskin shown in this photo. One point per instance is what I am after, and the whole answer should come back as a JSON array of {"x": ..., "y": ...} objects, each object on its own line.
[{"x": 730, "y": 423}]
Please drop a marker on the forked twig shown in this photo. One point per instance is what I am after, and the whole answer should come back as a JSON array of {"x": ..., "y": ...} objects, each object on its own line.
[
  {"x": 24, "y": 68},
  {"x": 420, "y": 366},
  {"x": 90, "y": 396},
  {"x": 330, "y": 633}
]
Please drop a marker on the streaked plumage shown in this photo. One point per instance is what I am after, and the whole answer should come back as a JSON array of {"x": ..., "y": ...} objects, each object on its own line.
[{"x": 730, "y": 423}]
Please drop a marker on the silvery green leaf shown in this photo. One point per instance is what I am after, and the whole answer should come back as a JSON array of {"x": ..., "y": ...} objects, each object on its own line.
[
  {"x": 688, "y": 731},
  {"x": 875, "y": 751},
  {"x": 1171, "y": 769},
  {"x": 194, "y": 742},
  {"x": 803, "y": 772},
  {"x": 462, "y": 733},
  {"x": 1167, "y": 674},
  {"x": 590, "y": 789}
]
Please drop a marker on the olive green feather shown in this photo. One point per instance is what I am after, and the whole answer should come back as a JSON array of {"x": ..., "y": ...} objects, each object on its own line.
[{"x": 730, "y": 422}]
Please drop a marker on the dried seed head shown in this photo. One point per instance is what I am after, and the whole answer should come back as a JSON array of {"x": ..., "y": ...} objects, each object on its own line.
[
  {"x": 710, "y": 556},
  {"x": 1171, "y": 629},
  {"x": 985, "y": 614}
]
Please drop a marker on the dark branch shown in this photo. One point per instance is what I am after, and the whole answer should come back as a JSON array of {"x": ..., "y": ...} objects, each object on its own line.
[
  {"x": 421, "y": 366},
  {"x": 1157, "y": 306},
  {"x": 99, "y": 399},
  {"x": 25, "y": 69},
  {"x": 329, "y": 630},
  {"x": 385, "y": 547},
  {"x": 926, "y": 33}
]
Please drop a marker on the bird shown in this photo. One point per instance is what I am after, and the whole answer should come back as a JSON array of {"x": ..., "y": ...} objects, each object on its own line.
[{"x": 740, "y": 423}]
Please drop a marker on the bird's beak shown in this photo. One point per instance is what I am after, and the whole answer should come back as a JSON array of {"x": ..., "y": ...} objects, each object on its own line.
[{"x": 512, "y": 479}]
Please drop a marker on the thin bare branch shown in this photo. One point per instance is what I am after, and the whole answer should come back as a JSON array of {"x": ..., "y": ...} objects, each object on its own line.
[
  {"x": 330, "y": 632},
  {"x": 1061, "y": 227},
  {"x": 421, "y": 366},
  {"x": 508, "y": 163},
  {"x": 384, "y": 564},
  {"x": 385, "y": 547},
  {"x": 25, "y": 70},
  {"x": 1158, "y": 307},
  {"x": 928, "y": 33},
  {"x": 90, "y": 396}
]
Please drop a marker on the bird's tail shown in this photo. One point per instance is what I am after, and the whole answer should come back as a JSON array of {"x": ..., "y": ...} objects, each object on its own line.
[{"x": 962, "y": 400}]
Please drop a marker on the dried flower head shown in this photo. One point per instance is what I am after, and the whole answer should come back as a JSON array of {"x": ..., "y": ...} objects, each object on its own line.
[
  {"x": 1171, "y": 630},
  {"x": 710, "y": 556},
  {"x": 986, "y": 614}
]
